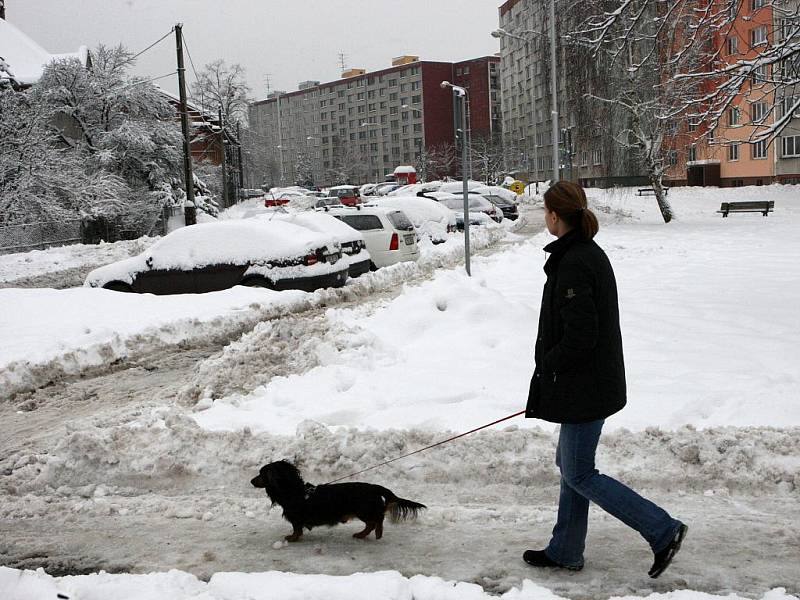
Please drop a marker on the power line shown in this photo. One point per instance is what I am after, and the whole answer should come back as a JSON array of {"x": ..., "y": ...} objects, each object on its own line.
[{"x": 162, "y": 38}]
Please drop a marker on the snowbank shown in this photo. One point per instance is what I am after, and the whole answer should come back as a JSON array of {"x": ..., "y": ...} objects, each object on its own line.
[
  {"x": 708, "y": 309},
  {"x": 38, "y": 263},
  {"x": 52, "y": 333},
  {"x": 274, "y": 585}
]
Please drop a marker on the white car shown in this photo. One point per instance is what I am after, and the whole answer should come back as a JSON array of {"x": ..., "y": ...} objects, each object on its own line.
[
  {"x": 354, "y": 248},
  {"x": 389, "y": 234},
  {"x": 431, "y": 218}
]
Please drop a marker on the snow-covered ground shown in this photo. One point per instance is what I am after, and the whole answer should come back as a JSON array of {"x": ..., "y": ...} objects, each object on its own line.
[
  {"x": 64, "y": 266},
  {"x": 712, "y": 431}
]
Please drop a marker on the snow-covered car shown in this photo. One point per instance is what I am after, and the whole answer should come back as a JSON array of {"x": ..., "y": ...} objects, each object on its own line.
[
  {"x": 215, "y": 256},
  {"x": 413, "y": 189},
  {"x": 354, "y": 248},
  {"x": 349, "y": 195},
  {"x": 480, "y": 202},
  {"x": 430, "y": 218},
  {"x": 507, "y": 206},
  {"x": 458, "y": 186},
  {"x": 389, "y": 234},
  {"x": 327, "y": 201},
  {"x": 481, "y": 211},
  {"x": 283, "y": 197}
]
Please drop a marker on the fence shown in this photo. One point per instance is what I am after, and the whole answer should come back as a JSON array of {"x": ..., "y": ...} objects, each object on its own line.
[{"x": 31, "y": 236}]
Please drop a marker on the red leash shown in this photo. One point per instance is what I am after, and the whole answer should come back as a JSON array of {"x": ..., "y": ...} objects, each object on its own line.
[{"x": 455, "y": 437}]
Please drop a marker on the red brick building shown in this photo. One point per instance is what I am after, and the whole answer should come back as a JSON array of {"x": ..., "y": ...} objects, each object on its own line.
[{"x": 377, "y": 120}]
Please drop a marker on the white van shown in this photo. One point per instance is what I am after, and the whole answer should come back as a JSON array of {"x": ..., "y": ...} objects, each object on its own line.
[{"x": 389, "y": 234}]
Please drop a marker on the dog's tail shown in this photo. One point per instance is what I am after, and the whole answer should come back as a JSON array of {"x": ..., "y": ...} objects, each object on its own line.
[{"x": 400, "y": 509}]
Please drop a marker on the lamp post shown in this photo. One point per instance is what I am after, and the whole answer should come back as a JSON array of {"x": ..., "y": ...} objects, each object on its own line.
[
  {"x": 554, "y": 92},
  {"x": 461, "y": 95}
]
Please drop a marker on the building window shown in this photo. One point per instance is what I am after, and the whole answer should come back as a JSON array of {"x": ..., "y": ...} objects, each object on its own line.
[
  {"x": 584, "y": 158},
  {"x": 415, "y": 85},
  {"x": 393, "y": 83},
  {"x": 597, "y": 157},
  {"x": 692, "y": 154},
  {"x": 693, "y": 124},
  {"x": 790, "y": 146},
  {"x": 788, "y": 103},
  {"x": 466, "y": 70},
  {"x": 759, "y": 149},
  {"x": 459, "y": 71},
  {"x": 733, "y": 151},
  {"x": 758, "y": 35},
  {"x": 672, "y": 156},
  {"x": 393, "y": 97},
  {"x": 756, "y": 4},
  {"x": 761, "y": 74},
  {"x": 733, "y": 45},
  {"x": 758, "y": 111},
  {"x": 734, "y": 115}
]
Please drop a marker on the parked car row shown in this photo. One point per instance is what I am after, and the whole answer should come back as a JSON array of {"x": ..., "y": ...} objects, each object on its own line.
[{"x": 303, "y": 240}]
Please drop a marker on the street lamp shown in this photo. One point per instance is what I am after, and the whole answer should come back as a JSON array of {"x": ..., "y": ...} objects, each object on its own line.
[
  {"x": 554, "y": 93},
  {"x": 461, "y": 94}
]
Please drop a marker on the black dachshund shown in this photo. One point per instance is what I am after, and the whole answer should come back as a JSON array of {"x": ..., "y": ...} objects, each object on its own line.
[{"x": 309, "y": 506}]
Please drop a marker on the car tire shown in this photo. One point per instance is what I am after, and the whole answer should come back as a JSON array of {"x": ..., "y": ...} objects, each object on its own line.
[
  {"x": 373, "y": 266},
  {"x": 118, "y": 286},
  {"x": 259, "y": 282}
]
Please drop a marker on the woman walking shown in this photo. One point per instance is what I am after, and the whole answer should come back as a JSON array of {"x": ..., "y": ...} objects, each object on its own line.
[{"x": 579, "y": 381}]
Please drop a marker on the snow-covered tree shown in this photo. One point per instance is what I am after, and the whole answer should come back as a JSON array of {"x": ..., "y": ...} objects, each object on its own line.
[
  {"x": 90, "y": 144},
  {"x": 436, "y": 161},
  {"x": 699, "y": 64},
  {"x": 486, "y": 158}
]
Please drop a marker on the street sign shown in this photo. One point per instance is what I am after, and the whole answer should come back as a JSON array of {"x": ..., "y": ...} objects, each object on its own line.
[{"x": 517, "y": 187}]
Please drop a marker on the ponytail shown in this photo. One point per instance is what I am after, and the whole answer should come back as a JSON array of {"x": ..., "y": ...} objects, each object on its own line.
[{"x": 568, "y": 201}]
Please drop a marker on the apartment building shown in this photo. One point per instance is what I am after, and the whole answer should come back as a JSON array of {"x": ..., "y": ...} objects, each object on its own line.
[
  {"x": 729, "y": 155},
  {"x": 587, "y": 150},
  {"x": 366, "y": 124}
]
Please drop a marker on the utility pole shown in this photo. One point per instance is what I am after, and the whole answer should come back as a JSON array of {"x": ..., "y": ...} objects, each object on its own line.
[
  {"x": 460, "y": 98},
  {"x": 189, "y": 208}
]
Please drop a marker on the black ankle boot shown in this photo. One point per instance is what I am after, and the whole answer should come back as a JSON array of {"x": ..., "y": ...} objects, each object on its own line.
[
  {"x": 663, "y": 558},
  {"x": 537, "y": 558}
]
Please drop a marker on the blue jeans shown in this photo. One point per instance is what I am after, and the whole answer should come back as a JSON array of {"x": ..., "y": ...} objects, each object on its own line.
[{"x": 582, "y": 483}]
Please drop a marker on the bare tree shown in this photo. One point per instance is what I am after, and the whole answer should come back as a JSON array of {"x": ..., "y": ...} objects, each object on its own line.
[
  {"x": 486, "y": 155},
  {"x": 436, "y": 161},
  {"x": 223, "y": 87}
]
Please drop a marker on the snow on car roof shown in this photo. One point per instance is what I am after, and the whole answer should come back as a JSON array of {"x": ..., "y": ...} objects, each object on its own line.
[
  {"x": 317, "y": 221},
  {"x": 343, "y": 187},
  {"x": 233, "y": 241},
  {"x": 417, "y": 209}
]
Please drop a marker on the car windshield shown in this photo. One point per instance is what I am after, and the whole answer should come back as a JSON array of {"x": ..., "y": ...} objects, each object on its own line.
[{"x": 400, "y": 221}]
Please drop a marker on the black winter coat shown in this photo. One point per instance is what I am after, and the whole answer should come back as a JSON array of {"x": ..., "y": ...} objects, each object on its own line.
[{"x": 580, "y": 372}]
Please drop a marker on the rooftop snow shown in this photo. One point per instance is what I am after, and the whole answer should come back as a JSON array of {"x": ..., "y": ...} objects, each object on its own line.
[{"x": 25, "y": 58}]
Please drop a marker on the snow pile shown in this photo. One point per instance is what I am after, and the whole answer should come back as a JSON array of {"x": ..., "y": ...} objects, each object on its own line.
[
  {"x": 275, "y": 585},
  {"x": 47, "y": 267},
  {"x": 50, "y": 334}
]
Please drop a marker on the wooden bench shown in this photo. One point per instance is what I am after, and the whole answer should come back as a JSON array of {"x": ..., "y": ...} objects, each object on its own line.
[
  {"x": 650, "y": 191},
  {"x": 764, "y": 207}
]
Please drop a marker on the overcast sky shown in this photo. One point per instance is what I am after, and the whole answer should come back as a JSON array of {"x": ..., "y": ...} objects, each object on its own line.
[{"x": 291, "y": 40}]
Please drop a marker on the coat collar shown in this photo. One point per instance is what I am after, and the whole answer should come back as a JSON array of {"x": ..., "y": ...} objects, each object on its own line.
[{"x": 559, "y": 247}]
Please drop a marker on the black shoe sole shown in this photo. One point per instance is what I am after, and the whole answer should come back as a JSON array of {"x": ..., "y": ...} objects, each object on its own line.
[
  {"x": 676, "y": 545},
  {"x": 554, "y": 565}
]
